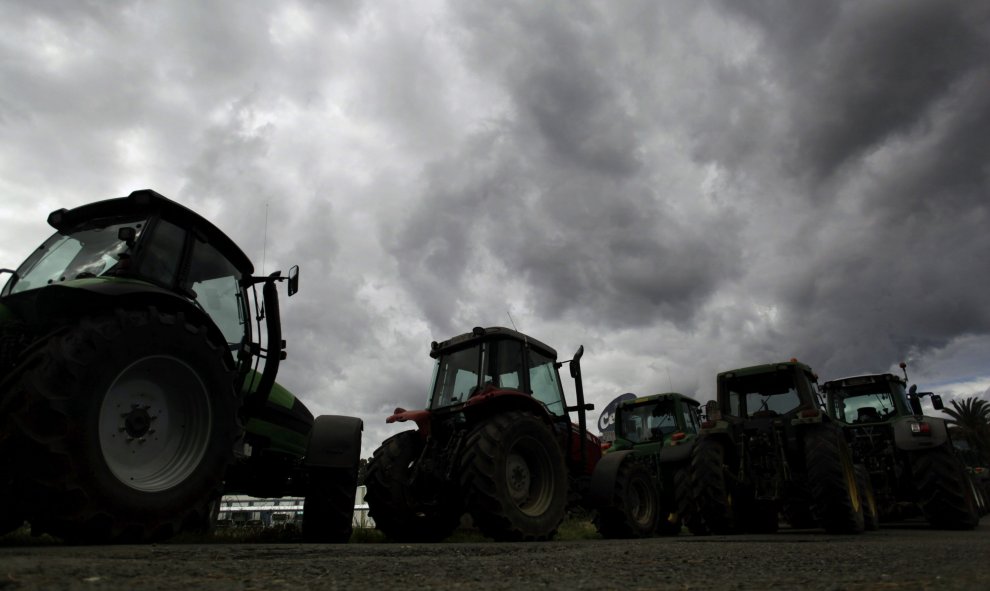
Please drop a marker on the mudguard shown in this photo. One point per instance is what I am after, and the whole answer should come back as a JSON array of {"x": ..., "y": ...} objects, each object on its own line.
[
  {"x": 603, "y": 478},
  {"x": 334, "y": 442},
  {"x": 906, "y": 439},
  {"x": 676, "y": 453}
]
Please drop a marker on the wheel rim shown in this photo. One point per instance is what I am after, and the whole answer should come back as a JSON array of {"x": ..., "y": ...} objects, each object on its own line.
[
  {"x": 640, "y": 502},
  {"x": 528, "y": 477},
  {"x": 155, "y": 423}
]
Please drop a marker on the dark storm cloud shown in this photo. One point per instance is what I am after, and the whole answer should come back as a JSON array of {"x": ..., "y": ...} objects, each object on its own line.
[
  {"x": 862, "y": 73},
  {"x": 558, "y": 193}
]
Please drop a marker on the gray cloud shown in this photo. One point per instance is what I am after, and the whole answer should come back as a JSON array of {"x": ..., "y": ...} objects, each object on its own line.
[{"x": 680, "y": 188}]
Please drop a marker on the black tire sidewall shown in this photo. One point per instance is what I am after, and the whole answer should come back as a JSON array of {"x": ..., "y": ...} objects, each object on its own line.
[{"x": 116, "y": 343}]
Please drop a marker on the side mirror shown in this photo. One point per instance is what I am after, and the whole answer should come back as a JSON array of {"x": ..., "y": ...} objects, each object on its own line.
[
  {"x": 575, "y": 365},
  {"x": 711, "y": 409},
  {"x": 293, "y": 280},
  {"x": 127, "y": 234},
  {"x": 937, "y": 402}
]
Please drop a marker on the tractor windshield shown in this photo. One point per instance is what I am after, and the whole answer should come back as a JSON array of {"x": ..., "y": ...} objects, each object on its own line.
[
  {"x": 93, "y": 250},
  {"x": 762, "y": 395},
  {"x": 869, "y": 402},
  {"x": 457, "y": 376},
  {"x": 649, "y": 421}
]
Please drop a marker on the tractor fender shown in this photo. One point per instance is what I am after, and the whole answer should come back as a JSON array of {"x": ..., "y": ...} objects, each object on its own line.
[
  {"x": 906, "y": 439},
  {"x": 334, "y": 442},
  {"x": 676, "y": 453},
  {"x": 65, "y": 300},
  {"x": 603, "y": 478}
]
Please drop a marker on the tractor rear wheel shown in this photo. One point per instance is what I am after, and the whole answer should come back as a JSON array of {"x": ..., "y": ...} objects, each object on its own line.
[
  {"x": 391, "y": 500},
  {"x": 832, "y": 481},
  {"x": 684, "y": 501},
  {"x": 634, "y": 508},
  {"x": 944, "y": 493},
  {"x": 129, "y": 421},
  {"x": 514, "y": 478},
  {"x": 710, "y": 488}
]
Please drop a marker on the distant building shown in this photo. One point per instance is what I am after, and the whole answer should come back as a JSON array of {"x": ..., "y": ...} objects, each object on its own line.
[{"x": 241, "y": 510}]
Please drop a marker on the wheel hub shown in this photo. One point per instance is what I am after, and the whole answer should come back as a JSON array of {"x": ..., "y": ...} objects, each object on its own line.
[
  {"x": 137, "y": 422},
  {"x": 518, "y": 474}
]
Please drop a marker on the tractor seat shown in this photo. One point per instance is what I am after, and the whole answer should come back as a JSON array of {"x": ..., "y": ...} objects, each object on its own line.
[{"x": 868, "y": 415}]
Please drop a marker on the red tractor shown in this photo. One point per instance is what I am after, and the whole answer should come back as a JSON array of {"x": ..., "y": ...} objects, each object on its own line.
[{"x": 496, "y": 442}]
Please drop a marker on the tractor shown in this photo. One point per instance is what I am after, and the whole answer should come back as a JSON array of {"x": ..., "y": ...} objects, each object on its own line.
[
  {"x": 640, "y": 486},
  {"x": 496, "y": 442},
  {"x": 135, "y": 390},
  {"x": 910, "y": 458},
  {"x": 767, "y": 448}
]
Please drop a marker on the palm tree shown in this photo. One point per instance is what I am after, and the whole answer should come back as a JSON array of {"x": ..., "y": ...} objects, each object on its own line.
[{"x": 972, "y": 418}]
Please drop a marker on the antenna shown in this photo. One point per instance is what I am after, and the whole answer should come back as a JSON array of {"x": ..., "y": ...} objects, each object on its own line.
[
  {"x": 670, "y": 383},
  {"x": 264, "y": 250},
  {"x": 511, "y": 322}
]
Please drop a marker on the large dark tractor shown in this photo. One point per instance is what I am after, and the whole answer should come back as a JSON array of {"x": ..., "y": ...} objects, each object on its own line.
[
  {"x": 132, "y": 392},
  {"x": 640, "y": 487},
  {"x": 496, "y": 442},
  {"x": 767, "y": 448},
  {"x": 910, "y": 458}
]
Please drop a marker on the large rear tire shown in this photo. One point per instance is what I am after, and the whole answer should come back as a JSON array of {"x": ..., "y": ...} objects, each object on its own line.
[
  {"x": 832, "y": 482},
  {"x": 710, "y": 488},
  {"x": 944, "y": 493},
  {"x": 130, "y": 422},
  {"x": 633, "y": 510},
  {"x": 514, "y": 478},
  {"x": 391, "y": 502}
]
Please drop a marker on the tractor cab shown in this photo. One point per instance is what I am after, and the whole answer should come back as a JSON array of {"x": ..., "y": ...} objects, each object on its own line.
[
  {"x": 875, "y": 398},
  {"x": 145, "y": 248},
  {"x": 868, "y": 399},
  {"x": 767, "y": 391},
  {"x": 495, "y": 362},
  {"x": 659, "y": 419}
]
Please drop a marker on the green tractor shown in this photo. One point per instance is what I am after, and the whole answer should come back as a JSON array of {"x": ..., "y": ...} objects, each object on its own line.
[
  {"x": 910, "y": 458},
  {"x": 640, "y": 487},
  {"x": 766, "y": 448},
  {"x": 132, "y": 392},
  {"x": 496, "y": 441}
]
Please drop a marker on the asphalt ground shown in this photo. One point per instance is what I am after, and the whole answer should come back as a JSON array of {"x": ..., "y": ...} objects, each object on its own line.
[{"x": 910, "y": 556}]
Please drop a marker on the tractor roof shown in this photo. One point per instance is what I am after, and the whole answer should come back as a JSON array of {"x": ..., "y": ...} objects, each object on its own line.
[
  {"x": 858, "y": 380},
  {"x": 659, "y": 397},
  {"x": 146, "y": 202},
  {"x": 765, "y": 368},
  {"x": 479, "y": 334}
]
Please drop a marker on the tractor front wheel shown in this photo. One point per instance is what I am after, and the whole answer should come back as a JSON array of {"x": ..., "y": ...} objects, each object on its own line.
[
  {"x": 328, "y": 510},
  {"x": 514, "y": 478},
  {"x": 634, "y": 508},
  {"x": 392, "y": 502},
  {"x": 871, "y": 516}
]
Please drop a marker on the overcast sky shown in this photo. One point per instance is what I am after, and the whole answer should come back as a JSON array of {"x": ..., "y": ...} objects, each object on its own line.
[{"x": 681, "y": 187}]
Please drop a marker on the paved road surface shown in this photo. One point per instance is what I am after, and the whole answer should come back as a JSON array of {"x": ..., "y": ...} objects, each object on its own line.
[{"x": 911, "y": 558}]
